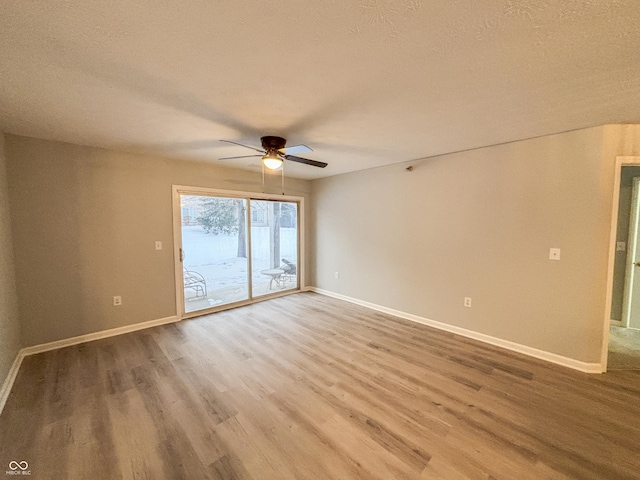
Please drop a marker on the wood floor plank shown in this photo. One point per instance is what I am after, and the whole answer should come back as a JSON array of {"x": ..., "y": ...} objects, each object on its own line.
[{"x": 309, "y": 387}]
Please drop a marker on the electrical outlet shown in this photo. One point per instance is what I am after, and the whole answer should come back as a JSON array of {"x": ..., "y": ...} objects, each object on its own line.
[
  {"x": 337, "y": 275},
  {"x": 467, "y": 302},
  {"x": 117, "y": 301},
  {"x": 158, "y": 245}
]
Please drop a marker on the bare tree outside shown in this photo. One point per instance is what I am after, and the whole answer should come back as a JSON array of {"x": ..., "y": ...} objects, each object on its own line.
[{"x": 242, "y": 228}]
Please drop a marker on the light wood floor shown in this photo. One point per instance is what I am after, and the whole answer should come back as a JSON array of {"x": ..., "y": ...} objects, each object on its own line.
[{"x": 308, "y": 387}]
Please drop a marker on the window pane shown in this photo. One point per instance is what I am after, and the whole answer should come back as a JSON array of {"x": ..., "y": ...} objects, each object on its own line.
[
  {"x": 274, "y": 246},
  {"x": 214, "y": 243}
]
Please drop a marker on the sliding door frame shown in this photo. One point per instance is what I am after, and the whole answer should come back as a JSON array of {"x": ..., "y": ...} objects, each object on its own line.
[{"x": 178, "y": 190}]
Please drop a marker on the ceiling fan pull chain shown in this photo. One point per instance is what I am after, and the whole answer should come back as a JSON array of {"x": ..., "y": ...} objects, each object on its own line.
[{"x": 282, "y": 176}]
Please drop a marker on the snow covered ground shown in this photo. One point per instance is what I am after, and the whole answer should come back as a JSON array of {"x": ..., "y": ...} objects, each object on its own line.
[{"x": 215, "y": 258}]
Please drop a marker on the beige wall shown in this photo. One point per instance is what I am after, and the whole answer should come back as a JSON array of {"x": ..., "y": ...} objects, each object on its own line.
[
  {"x": 9, "y": 326},
  {"x": 476, "y": 224},
  {"x": 480, "y": 224},
  {"x": 85, "y": 222}
]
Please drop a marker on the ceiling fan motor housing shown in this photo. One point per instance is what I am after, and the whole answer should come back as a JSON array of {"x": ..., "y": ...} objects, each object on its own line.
[{"x": 272, "y": 143}]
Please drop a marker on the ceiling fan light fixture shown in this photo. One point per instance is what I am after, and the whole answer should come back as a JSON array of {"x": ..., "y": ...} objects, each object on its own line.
[{"x": 272, "y": 161}]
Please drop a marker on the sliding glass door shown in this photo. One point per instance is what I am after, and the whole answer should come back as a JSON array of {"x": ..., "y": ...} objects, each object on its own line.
[
  {"x": 233, "y": 249},
  {"x": 214, "y": 251},
  {"x": 274, "y": 246}
]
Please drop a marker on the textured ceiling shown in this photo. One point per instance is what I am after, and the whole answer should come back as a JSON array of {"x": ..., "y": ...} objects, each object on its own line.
[{"x": 364, "y": 83}]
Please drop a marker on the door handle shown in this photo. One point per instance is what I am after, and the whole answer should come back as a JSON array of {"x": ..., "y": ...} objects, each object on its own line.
[
  {"x": 637, "y": 264},
  {"x": 182, "y": 255}
]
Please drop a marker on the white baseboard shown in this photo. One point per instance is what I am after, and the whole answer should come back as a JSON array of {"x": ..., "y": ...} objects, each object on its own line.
[
  {"x": 67, "y": 342},
  {"x": 498, "y": 342},
  {"x": 11, "y": 377}
]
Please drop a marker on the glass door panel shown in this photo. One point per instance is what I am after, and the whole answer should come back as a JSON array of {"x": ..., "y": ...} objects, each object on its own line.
[
  {"x": 274, "y": 246},
  {"x": 214, "y": 251}
]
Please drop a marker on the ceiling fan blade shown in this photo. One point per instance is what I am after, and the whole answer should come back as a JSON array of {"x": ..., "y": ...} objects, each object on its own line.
[
  {"x": 241, "y": 156},
  {"x": 246, "y": 146},
  {"x": 306, "y": 161},
  {"x": 295, "y": 149}
]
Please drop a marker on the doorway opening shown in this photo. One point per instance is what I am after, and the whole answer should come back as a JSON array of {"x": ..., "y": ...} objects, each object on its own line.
[
  {"x": 233, "y": 248},
  {"x": 622, "y": 331}
]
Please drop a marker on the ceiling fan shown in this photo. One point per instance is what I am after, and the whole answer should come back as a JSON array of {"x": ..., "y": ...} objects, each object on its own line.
[{"x": 274, "y": 152}]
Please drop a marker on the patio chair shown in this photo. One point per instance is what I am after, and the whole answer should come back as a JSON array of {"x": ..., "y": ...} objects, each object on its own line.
[
  {"x": 195, "y": 281},
  {"x": 290, "y": 270}
]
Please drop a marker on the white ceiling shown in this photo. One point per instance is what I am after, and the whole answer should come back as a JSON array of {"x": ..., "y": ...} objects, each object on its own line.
[{"x": 364, "y": 83}]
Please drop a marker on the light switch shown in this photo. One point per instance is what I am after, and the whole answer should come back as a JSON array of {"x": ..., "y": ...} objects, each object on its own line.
[
  {"x": 554, "y": 254},
  {"x": 621, "y": 246},
  {"x": 158, "y": 245}
]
